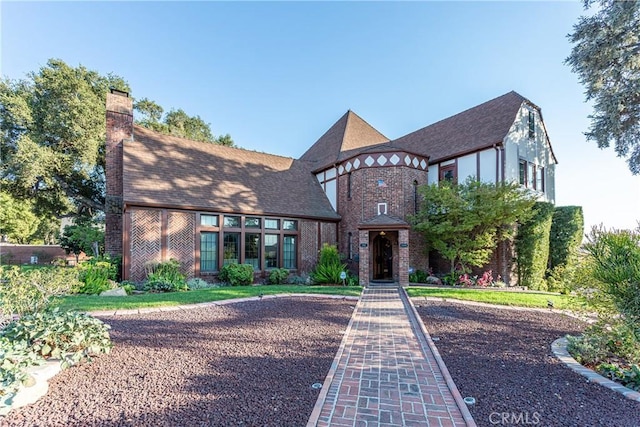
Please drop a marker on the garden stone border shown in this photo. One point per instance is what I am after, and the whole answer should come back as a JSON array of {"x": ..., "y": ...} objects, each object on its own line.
[
  {"x": 26, "y": 395},
  {"x": 559, "y": 348}
]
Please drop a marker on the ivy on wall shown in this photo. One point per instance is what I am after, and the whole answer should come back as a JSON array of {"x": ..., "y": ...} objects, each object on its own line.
[{"x": 532, "y": 247}]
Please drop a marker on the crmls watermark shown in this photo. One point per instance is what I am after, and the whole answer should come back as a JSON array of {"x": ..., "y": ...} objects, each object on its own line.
[{"x": 514, "y": 418}]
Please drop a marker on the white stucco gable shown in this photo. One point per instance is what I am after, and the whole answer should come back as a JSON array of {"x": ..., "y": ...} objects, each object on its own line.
[{"x": 529, "y": 158}]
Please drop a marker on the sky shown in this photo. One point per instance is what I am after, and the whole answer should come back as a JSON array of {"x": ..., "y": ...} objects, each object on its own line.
[{"x": 277, "y": 75}]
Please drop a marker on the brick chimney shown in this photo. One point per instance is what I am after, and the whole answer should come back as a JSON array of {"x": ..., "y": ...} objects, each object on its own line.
[{"x": 119, "y": 129}]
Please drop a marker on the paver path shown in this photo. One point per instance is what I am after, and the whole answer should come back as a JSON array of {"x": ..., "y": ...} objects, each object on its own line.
[{"x": 385, "y": 373}]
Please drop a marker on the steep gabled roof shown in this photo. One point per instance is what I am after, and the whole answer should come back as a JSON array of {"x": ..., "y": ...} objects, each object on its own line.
[
  {"x": 474, "y": 129},
  {"x": 349, "y": 134},
  {"x": 169, "y": 171}
]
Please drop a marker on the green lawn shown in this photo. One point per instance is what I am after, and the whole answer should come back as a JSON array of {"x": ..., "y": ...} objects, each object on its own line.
[
  {"x": 522, "y": 299},
  {"x": 97, "y": 303}
]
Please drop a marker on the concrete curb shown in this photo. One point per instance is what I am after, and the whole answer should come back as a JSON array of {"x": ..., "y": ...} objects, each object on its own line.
[
  {"x": 559, "y": 348},
  {"x": 326, "y": 385},
  {"x": 415, "y": 317}
]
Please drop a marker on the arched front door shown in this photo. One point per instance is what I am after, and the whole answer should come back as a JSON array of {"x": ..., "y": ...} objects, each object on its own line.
[{"x": 382, "y": 258}]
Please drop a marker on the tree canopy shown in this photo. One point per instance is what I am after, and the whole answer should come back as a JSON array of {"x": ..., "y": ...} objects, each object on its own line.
[
  {"x": 465, "y": 222},
  {"x": 53, "y": 126},
  {"x": 177, "y": 123},
  {"x": 606, "y": 57},
  {"x": 53, "y": 133}
]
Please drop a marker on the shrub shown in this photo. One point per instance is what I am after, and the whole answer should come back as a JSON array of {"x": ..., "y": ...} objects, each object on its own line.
[
  {"x": 565, "y": 236},
  {"x": 329, "y": 266},
  {"x": 278, "y": 276},
  {"x": 298, "y": 280},
  {"x": 71, "y": 336},
  {"x": 57, "y": 333},
  {"x": 615, "y": 257},
  {"x": 418, "y": 276},
  {"x": 627, "y": 376},
  {"x": 532, "y": 247},
  {"x": 165, "y": 277},
  {"x": 14, "y": 359},
  {"x": 29, "y": 291},
  {"x": 96, "y": 275},
  {"x": 587, "y": 349},
  {"x": 237, "y": 274},
  {"x": 486, "y": 279},
  {"x": 198, "y": 283}
]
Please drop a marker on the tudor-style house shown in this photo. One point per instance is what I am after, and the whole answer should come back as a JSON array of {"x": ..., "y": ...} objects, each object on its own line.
[{"x": 208, "y": 205}]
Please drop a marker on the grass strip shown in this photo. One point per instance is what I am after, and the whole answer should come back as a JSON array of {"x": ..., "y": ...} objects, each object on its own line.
[
  {"x": 98, "y": 303},
  {"x": 514, "y": 298}
]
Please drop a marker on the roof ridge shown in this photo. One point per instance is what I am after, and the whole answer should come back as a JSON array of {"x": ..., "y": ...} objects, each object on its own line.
[{"x": 479, "y": 106}]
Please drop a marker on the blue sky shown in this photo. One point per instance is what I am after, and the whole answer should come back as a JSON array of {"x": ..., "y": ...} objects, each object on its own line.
[{"x": 277, "y": 75}]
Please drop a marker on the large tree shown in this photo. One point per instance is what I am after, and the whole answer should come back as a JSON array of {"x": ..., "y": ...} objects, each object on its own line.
[
  {"x": 606, "y": 57},
  {"x": 52, "y": 125},
  {"x": 465, "y": 222},
  {"x": 53, "y": 133}
]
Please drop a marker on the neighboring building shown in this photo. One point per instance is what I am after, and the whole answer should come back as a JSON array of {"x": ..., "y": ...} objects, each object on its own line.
[{"x": 208, "y": 205}]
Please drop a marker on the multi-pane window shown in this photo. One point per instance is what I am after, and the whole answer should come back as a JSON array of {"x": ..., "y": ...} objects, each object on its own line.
[
  {"x": 272, "y": 224},
  {"x": 231, "y": 248},
  {"x": 251, "y": 222},
  {"x": 349, "y": 185},
  {"x": 261, "y": 242},
  {"x": 288, "y": 224},
  {"x": 522, "y": 172},
  {"x": 532, "y": 124},
  {"x": 209, "y": 220},
  {"x": 289, "y": 252},
  {"x": 540, "y": 179},
  {"x": 232, "y": 221},
  {"x": 208, "y": 252},
  {"x": 252, "y": 250},
  {"x": 531, "y": 175},
  {"x": 271, "y": 250},
  {"x": 448, "y": 173}
]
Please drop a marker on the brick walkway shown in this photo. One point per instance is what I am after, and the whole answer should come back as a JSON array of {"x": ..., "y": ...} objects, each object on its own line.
[{"x": 385, "y": 373}]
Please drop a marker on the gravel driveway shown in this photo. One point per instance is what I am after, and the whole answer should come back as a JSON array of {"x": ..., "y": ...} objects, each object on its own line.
[
  {"x": 249, "y": 364},
  {"x": 503, "y": 358}
]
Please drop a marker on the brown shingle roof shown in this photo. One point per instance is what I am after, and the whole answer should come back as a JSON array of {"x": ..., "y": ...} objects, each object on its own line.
[
  {"x": 169, "y": 171},
  {"x": 349, "y": 134},
  {"x": 384, "y": 220},
  {"x": 476, "y": 128}
]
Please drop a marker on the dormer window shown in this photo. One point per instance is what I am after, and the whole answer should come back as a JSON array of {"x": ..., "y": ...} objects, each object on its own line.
[{"x": 532, "y": 124}]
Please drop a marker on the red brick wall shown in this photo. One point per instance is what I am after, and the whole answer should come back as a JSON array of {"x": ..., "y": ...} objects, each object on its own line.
[
  {"x": 398, "y": 193},
  {"x": 21, "y": 254},
  {"x": 119, "y": 128}
]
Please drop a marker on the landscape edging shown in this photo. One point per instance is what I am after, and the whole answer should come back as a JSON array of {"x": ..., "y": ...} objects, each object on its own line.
[{"x": 559, "y": 348}]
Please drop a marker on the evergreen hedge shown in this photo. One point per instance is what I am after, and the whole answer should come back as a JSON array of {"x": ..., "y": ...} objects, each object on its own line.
[
  {"x": 565, "y": 237},
  {"x": 532, "y": 247}
]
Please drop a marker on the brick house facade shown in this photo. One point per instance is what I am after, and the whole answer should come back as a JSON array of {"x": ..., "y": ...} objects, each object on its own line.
[{"x": 208, "y": 205}]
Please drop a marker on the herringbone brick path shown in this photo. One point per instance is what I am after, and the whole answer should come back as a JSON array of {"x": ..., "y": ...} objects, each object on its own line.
[{"x": 386, "y": 374}]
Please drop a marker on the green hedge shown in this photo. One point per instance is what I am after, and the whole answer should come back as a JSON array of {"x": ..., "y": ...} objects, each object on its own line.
[
  {"x": 532, "y": 247},
  {"x": 566, "y": 234}
]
